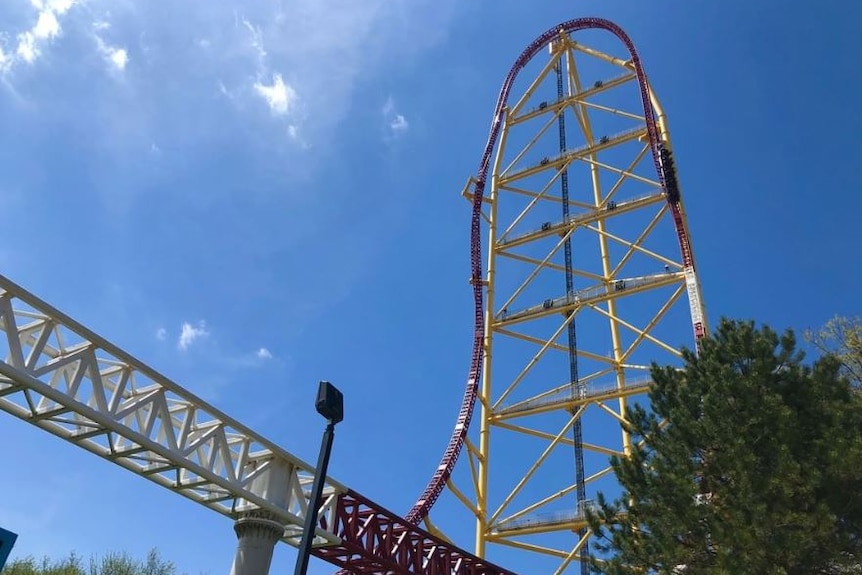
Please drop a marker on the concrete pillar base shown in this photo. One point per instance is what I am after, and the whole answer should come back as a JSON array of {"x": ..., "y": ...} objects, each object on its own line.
[{"x": 257, "y": 533}]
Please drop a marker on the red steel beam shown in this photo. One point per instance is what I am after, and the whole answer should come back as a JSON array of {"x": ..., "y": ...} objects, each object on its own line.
[{"x": 376, "y": 540}]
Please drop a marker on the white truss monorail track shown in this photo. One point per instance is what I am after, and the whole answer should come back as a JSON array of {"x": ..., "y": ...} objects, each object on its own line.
[{"x": 65, "y": 379}]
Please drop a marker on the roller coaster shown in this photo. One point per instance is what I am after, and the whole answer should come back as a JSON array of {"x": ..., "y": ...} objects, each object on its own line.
[{"x": 576, "y": 297}]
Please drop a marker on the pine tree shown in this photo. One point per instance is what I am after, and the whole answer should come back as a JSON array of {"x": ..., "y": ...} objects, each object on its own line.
[{"x": 749, "y": 461}]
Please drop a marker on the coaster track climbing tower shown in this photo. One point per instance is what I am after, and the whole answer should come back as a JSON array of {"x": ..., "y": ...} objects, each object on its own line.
[{"x": 589, "y": 277}]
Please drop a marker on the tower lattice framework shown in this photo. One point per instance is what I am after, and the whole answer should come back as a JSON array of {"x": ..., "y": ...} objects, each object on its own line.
[{"x": 588, "y": 278}]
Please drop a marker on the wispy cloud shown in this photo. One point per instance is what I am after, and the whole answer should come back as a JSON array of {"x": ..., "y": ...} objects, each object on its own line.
[
  {"x": 278, "y": 95},
  {"x": 264, "y": 353},
  {"x": 246, "y": 360},
  {"x": 320, "y": 49},
  {"x": 396, "y": 123},
  {"x": 281, "y": 97},
  {"x": 161, "y": 334},
  {"x": 258, "y": 81},
  {"x": 399, "y": 123},
  {"x": 115, "y": 56},
  {"x": 190, "y": 333},
  {"x": 256, "y": 40},
  {"x": 300, "y": 60}
]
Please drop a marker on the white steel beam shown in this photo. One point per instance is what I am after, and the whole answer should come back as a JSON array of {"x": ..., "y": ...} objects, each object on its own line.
[{"x": 65, "y": 379}]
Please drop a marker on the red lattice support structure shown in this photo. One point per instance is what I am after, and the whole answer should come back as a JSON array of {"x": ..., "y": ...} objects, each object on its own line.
[{"x": 375, "y": 540}]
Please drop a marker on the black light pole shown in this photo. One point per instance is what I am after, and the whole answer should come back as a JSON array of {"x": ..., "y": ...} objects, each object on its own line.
[
  {"x": 7, "y": 542},
  {"x": 329, "y": 404}
]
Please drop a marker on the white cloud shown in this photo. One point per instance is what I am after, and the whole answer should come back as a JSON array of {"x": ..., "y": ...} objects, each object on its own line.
[
  {"x": 264, "y": 353},
  {"x": 46, "y": 28},
  {"x": 395, "y": 121},
  {"x": 59, "y": 6},
  {"x": 399, "y": 124},
  {"x": 118, "y": 57},
  {"x": 189, "y": 334},
  {"x": 161, "y": 334},
  {"x": 280, "y": 96},
  {"x": 115, "y": 56}
]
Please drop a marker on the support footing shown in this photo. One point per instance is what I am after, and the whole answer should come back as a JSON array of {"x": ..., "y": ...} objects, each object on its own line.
[{"x": 257, "y": 533}]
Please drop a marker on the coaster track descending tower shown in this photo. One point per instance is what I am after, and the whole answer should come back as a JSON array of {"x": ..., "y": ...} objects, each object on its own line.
[{"x": 585, "y": 228}]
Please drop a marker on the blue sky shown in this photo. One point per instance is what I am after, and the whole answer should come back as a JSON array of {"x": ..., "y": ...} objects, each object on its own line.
[{"x": 253, "y": 196}]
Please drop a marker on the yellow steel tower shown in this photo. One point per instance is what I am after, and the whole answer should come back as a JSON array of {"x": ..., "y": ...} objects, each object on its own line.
[{"x": 590, "y": 277}]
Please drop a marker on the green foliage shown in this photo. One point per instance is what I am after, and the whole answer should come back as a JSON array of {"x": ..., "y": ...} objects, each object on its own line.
[
  {"x": 841, "y": 337},
  {"x": 110, "y": 564},
  {"x": 758, "y": 470}
]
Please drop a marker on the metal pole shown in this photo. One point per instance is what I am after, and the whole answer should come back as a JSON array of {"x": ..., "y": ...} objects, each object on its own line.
[{"x": 314, "y": 501}]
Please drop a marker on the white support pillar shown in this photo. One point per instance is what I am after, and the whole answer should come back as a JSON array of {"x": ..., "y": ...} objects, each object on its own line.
[{"x": 257, "y": 530}]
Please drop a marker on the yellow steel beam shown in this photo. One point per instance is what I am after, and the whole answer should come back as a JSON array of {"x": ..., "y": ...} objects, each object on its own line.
[
  {"x": 527, "y": 148},
  {"x": 618, "y": 321},
  {"x": 557, "y": 106},
  {"x": 625, "y": 171},
  {"x": 515, "y": 110},
  {"x": 548, "y": 197},
  {"x": 589, "y": 150},
  {"x": 531, "y": 547},
  {"x": 603, "y": 246},
  {"x": 486, "y": 387},
  {"x": 533, "y": 432},
  {"x": 636, "y": 246},
  {"x": 593, "y": 296},
  {"x": 574, "y": 552},
  {"x": 535, "y": 467},
  {"x": 654, "y": 321},
  {"x": 433, "y": 530},
  {"x": 656, "y": 256},
  {"x": 625, "y": 174},
  {"x": 540, "y": 503},
  {"x": 593, "y": 216},
  {"x": 573, "y": 403},
  {"x": 555, "y": 346},
  {"x": 573, "y": 524},
  {"x": 616, "y": 61},
  {"x": 538, "y": 355},
  {"x": 549, "y": 265},
  {"x": 538, "y": 268},
  {"x": 554, "y": 496},
  {"x": 461, "y": 497}
]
